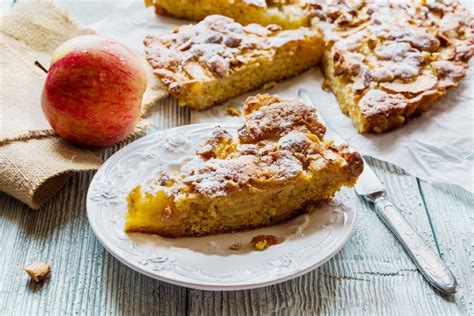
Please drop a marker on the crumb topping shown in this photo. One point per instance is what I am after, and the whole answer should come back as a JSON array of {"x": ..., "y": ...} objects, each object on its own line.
[
  {"x": 270, "y": 122},
  {"x": 377, "y": 100},
  {"x": 213, "y": 48},
  {"x": 218, "y": 177},
  {"x": 278, "y": 142},
  {"x": 294, "y": 141},
  {"x": 216, "y": 145},
  {"x": 449, "y": 72}
]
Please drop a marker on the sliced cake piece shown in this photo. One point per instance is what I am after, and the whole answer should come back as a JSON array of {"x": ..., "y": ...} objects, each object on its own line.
[
  {"x": 217, "y": 59},
  {"x": 276, "y": 165},
  {"x": 387, "y": 62},
  {"x": 287, "y": 14}
]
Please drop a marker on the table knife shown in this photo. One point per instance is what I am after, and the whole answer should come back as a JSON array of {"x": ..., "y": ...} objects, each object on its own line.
[{"x": 371, "y": 189}]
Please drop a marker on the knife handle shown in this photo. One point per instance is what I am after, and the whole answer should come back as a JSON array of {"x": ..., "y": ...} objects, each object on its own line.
[{"x": 430, "y": 265}]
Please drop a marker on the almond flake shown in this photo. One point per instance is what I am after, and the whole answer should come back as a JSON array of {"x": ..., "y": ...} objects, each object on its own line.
[
  {"x": 422, "y": 83},
  {"x": 196, "y": 71}
]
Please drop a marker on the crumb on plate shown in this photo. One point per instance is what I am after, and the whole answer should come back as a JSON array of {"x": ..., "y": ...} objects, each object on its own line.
[
  {"x": 236, "y": 246},
  {"x": 262, "y": 242},
  {"x": 326, "y": 85}
]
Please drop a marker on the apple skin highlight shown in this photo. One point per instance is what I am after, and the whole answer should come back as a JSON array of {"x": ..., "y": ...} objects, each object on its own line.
[{"x": 93, "y": 92}]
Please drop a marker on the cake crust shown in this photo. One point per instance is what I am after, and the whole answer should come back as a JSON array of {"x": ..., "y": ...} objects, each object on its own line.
[{"x": 287, "y": 14}]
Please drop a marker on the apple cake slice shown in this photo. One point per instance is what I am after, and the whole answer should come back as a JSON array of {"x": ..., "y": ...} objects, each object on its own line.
[
  {"x": 216, "y": 59},
  {"x": 277, "y": 164},
  {"x": 387, "y": 62},
  {"x": 289, "y": 14}
]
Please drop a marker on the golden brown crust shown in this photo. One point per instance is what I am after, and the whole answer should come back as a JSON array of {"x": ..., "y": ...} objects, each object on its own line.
[
  {"x": 354, "y": 159},
  {"x": 288, "y": 14}
]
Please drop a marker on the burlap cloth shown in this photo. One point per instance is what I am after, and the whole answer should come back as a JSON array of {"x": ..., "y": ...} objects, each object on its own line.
[{"x": 34, "y": 162}]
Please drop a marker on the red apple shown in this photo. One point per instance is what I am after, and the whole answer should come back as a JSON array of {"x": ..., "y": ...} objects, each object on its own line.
[{"x": 93, "y": 92}]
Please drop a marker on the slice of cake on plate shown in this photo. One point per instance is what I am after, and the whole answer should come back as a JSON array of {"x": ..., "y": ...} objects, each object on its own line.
[
  {"x": 287, "y": 14},
  {"x": 216, "y": 59},
  {"x": 276, "y": 165},
  {"x": 387, "y": 62}
]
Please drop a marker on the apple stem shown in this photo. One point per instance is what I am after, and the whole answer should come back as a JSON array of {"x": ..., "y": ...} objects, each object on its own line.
[{"x": 37, "y": 63}]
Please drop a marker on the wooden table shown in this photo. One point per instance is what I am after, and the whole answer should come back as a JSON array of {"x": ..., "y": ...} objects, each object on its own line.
[{"x": 371, "y": 275}]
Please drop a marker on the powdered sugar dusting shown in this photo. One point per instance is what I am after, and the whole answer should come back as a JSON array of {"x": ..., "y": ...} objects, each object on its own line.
[
  {"x": 280, "y": 138},
  {"x": 218, "y": 44}
]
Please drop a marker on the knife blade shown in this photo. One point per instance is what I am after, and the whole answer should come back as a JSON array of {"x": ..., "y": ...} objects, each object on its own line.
[{"x": 371, "y": 189}]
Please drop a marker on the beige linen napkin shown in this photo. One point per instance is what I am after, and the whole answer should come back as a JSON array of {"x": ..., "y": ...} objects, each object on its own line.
[{"x": 34, "y": 162}]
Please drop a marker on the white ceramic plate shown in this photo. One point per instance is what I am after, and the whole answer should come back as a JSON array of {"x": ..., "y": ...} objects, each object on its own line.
[{"x": 207, "y": 263}]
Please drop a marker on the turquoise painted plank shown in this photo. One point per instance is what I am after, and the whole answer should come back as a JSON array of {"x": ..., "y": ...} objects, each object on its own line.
[{"x": 451, "y": 211}]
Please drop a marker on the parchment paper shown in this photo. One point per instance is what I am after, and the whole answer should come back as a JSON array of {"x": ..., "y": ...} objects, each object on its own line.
[{"x": 435, "y": 147}]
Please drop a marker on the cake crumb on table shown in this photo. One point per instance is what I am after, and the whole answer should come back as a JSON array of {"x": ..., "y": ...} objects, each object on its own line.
[
  {"x": 38, "y": 271},
  {"x": 326, "y": 85}
]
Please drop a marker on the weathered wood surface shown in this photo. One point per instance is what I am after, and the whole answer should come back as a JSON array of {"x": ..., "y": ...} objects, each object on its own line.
[
  {"x": 371, "y": 275},
  {"x": 451, "y": 213},
  {"x": 85, "y": 278}
]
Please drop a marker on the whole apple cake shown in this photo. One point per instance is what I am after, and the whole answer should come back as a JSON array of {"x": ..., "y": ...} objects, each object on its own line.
[
  {"x": 276, "y": 165},
  {"x": 216, "y": 59},
  {"x": 386, "y": 61}
]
